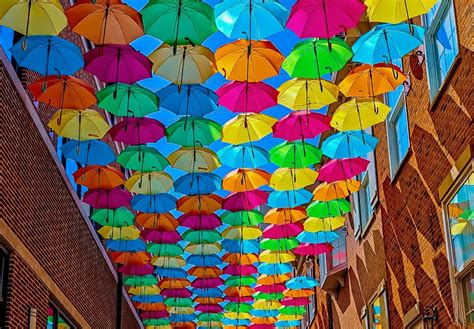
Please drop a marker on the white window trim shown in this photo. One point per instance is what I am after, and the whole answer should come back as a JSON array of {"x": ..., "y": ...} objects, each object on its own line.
[{"x": 395, "y": 161}]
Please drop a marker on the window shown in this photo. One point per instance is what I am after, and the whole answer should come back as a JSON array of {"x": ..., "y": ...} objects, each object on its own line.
[
  {"x": 56, "y": 320},
  {"x": 398, "y": 135},
  {"x": 4, "y": 264},
  {"x": 375, "y": 316},
  {"x": 312, "y": 298},
  {"x": 441, "y": 43},
  {"x": 337, "y": 258}
]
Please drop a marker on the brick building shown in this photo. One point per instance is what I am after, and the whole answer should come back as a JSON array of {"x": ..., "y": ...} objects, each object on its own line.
[{"x": 403, "y": 258}]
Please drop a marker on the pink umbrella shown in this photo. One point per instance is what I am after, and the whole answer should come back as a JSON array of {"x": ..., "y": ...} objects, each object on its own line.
[
  {"x": 136, "y": 269},
  {"x": 261, "y": 326},
  {"x": 176, "y": 293},
  {"x": 245, "y": 200},
  {"x": 200, "y": 222},
  {"x": 313, "y": 249},
  {"x": 207, "y": 283},
  {"x": 284, "y": 231},
  {"x": 209, "y": 308},
  {"x": 301, "y": 125},
  {"x": 342, "y": 169},
  {"x": 110, "y": 199},
  {"x": 302, "y": 301},
  {"x": 161, "y": 236},
  {"x": 154, "y": 314},
  {"x": 247, "y": 96},
  {"x": 135, "y": 131},
  {"x": 236, "y": 299},
  {"x": 115, "y": 63},
  {"x": 240, "y": 270},
  {"x": 324, "y": 18},
  {"x": 269, "y": 289}
]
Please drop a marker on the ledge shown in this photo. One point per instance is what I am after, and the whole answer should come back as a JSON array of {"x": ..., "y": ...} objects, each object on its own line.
[{"x": 335, "y": 279}]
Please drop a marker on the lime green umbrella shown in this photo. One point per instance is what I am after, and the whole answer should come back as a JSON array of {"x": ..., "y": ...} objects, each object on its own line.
[
  {"x": 141, "y": 280},
  {"x": 238, "y": 281},
  {"x": 127, "y": 100},
  {"x": 165, "y": 249},
  {"x": 209, "y": 317},
  {"x": 295, "y": 154},
  {"x": 156, "y": 322},
  {"x": 204, "y": 236},
  {"x": 179, "y": 22},
  {"x": 279, "y": 244},
  {"x": 313, "y": 58},
  {"x": 238, "y": 307},
  {"x": 332, "y": 208},
  {"x": 245, "y": 218},
  {"x": 179, "y": 302},
  {"x": 142, "y": 158},
  {"x": 193, "y": 131},
  {"x": 296, "y": 310},
  {"x": 269, "y": 296},
  {"x": 120, "y": 217}
]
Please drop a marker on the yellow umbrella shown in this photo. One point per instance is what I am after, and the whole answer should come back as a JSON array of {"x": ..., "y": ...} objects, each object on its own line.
[
  {"x": 245, "y": 179},
  {"x": 119, "y": 233},
  {"x": 188, "y": 65},
  {"x": 286, "y": 179},
  {"x": 276, "y": 257},
  {"x": 396, "y": 11},
  {"x": 217, "y": 324},
  {"x": 168, "y": 261},
  {"x": 149, "y": 183},
  {"x": 242, "y": 232},
  {"x": 359, "y": 114},
  {"x": 203, "y": 249},
  {"x": 239, "y": 315},
  {"x": 194, "y": 159},
  {"x": 306, "y": 94},
  {"x": 144, "y": 290},
  {"x": 314, "y": 224},
  {"x": 336, "y": 190},
  {"x": 180, "y": 310},
  {"x": 265, "y": 279},
  {"x": 262, "y": 304},
  {"x": 263, "y": 320},
  {"x": 79, "y": 124},
  {"x": 289, "y": 317},
  {"x": 246, "y": 128},
  {"x": 285, "y": 215}
]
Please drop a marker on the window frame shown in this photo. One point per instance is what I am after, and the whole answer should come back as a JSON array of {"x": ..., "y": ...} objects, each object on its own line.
[
  {"x": 58, "y": 313},
  {"x": 396, "y": 162},
  {"x": 367, "y": 316},
  {"x": 4, "y": 276}
]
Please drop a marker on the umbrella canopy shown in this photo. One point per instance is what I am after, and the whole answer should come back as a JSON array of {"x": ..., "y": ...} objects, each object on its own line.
[
  {"x": 91, "y": 152},
  {"x": 205, "y": 272},
  {"x": 327, "y": 224},
  {"x": 242, "y": 233},
  {"x": 247, "y": 97},
  {"x": 245, "y": 200},
  {"x": 246, "y": 128},
  {"x": 295, "y": 154},
  {"x": 301, "y": 125},
  {"x": 203, "y": 236},
  {"x": 240, "y": 270},
  {"x": 95, "y": 177},
  {"x": 203, "y": 249},
  {"x": 135, "y": 131},
  {"x": 157, "y": 221},
  {"x": 188, "y": 99},
  {"x": 348, "y": 144},
  {"x": 241, "y": 245},
  {"x": 284, "y": 179},
  {"x": 80, "y": 125},
  {"x": 285, "y": 215},
  {"x": 142, "y": 158},
  {"x": 241, "y": 180},
  {"x": 149, "y": 183},
  {"x": 279, "y": 244},
  {"x": 306, "y": 94},
  {"x": 196, "y": 205},
  {"x": 330, "y": 208},
  {"x": 156, "y": 203},
  {"x": 290, "y": 199},
  {"x": 246, "y": 218},
  {"x": 193, "y": 131},
  {"x": 359, "y": 115},
  {"x": 132, "y": 246},
  {"x": 164, "y": 250},
  {"x": 107, "y": 198},
  {"x": 120, "y": 233},
  {"x": 282, "y": 231},
  {"x": 194, "y": 159},
  {"x": 395, "y": 11},
  {"x": 243, "y": 156},
  {"x": 341, "y": 169},
  {"x": 197, "y": 183},
  {"x": 317, "y": 237},
  {"x": 335, "y": 190},
  {"x": 119, "y": 217}
]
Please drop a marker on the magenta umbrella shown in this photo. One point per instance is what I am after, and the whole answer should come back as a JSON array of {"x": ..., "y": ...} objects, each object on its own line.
[
  {"x": 203, "y": 283},
  {"x": 176, "y": 293},
  {"x": 245, "y": 200},
  {"x": 200, "y": 222},
  {"x": 242, "y": 270},
  {"x": 302, "y": 301},
  {"x": 261, "y": 326},
  {"x": 115, "y": 63},
  {"x": 324, "y": 18},
  {"x": 313, "y": 249},
  {"x": 301, "y": 125},
  {"x": 110, "y": 199},
  {"x": 247, "y": 97},
  {"x": 342, "y": 169},
  {"x": 154, "y": 314},
  {"x": 284, "y": 231},
  {"x": 137, "y": 269},
  {"x": 269, "y": 289},
  {"x": 160, "y": 236},
  {"x": 209, "y": 308},
  {"x": 135, "y": 131}
]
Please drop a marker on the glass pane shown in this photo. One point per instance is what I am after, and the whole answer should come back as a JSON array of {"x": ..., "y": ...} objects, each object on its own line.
[
  {"x": 432, "y": 13},
  {"x": 393, "y": 96},
  {"x": 446, "y": 43},
  {"x": 50, "y": 323},
  {"x": 468, "y": 291},
  {"x": 62, "y": 323},
  {"x": 376, "y": 314},
  {"x": 339, "y": 252},
  {"x": 402, "y": 136}
]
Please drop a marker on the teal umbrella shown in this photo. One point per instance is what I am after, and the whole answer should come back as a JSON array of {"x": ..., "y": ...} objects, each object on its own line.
[
  {"x": 142, "y": 158},
  {"x": 119, "y": 217},
  {"x": 193, "y": 131}
]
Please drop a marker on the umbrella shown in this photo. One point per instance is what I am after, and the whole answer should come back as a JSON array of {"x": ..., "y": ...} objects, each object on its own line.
[
  {"x": 235, "y": 281},
  {"x": 95, "y": 177},
  {"x": 242, "y": 233},
  {"x": 135, "y": 131},
  {"x": 149, "y": 183},
  {"x": 194, "y": 159},
  {"x": 269, "y": 296},
  {"x": 241, "y": 180},
  {"x": 327, "y": 224},
  {"x": 197, "y": 183},
  {"x": 335, "y": 190},
  {"x": 395, "y": 11},
  {"x": 127, "y": 100},
  {"x": 119, "y": 217},
  {"x": 178, "y": 273},
  {"x": 243, "y": 156},
  {"x": 208, "y": 292},
  {"x": 301, "y": 301},
  {"x": 301, "y": 293},
  {"x": 282, "y": 231},
  {"x": 80, "y": 125},
  {"x": 132, "y": 246},
  {"x": 203, "y": 283},
  {"x": 246, "y": 218},
  {"x": 284, "y": 244},
  {"x": 192, "y": 131},
  {"x": 184, "y": 65},
  {"x": 293, "y": 310},
  {"x": 269, "y": 289},
  {"x": 240, "y": 270},
  {"x": 203, "y": 236},
  {"x": 295, "y": 154},
  {"x": 142, "y": 158},
  {"x": 359, "y": 114},
  {"x": 157, "y": 221},
  {"x": 246, "y": 128},
  {"x": 348, "y": 144},
  {"x": 285, "y": 215},
  {"x": 187, "y": 21},
  {"x": 188, "y": 99},
  {"x": 179, "y": 302},
  {"x": 209, "y": 260},
  {"x": 290, "y": 199},
  {"x": 306, "y": 94},
  {"x": 128, "y": 258},
  {"x": 105, "y": 21},
  {"x": 116, "y": 63},
  {"x": 247, "y": 96},
  {"x": 205, "y": 272},
  {"x": 200, "y": 205},
  {"x": 314, "y": 58},
  {"x": 317, "y": 237},
  {"x": 240, "y": 246},
  {"x": 156, "y": 203},
  {"x": 175, "y": 284},
  {"x": 63, "y": 92},
  {"x": 245, "y": 200},
  {"x": 107, "y": 198},
  {"x": 91, "y": 152},
  {"x": 331, "y": 208},
  {"x": 284, "y": 179},
  {"x": 48, "y": 55},
  {"x": 203, "y": 248},
  {"x": 161, "y": 236},
  {"x": 252, "y": 61},
  {"x": 262, "y": 304},
  {"x": 301, "y": 125},
  {"x": 254, "y": 19},
  {"x": 146, "y": 298},
  {"x": 266, "y": 279},
  {"x": 136, "y": 269},
  {"x": 341, "y": 169},
  {"x": 240, "y": 259},
  {"x": 169, "y": 261},
  {"x": 120, "y": 233}
]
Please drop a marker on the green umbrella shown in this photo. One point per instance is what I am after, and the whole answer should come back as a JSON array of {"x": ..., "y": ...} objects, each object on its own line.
[
  {"x": 245, "y": 218},
  {"x": 164, "y": 249},
  {"x": 295, "y": 155},
  {"x": 238, "y": 281},
  {"x": 193, "y": 131},
  {"x": 127, "y": 100},
  {"x": 186, "y": 21},
  {"x": 204, "y": 236},
  {"x": 333, "y": 208},
  {"x": 238, "y": 307},
  {"x": 142, "y": 158},
  {"x": 209, "y": 317},
  {"x": 156, "y": 322},
  {"x": 136, "y": 281},
  {"x": 179, "y": 302},
  {"x": 292, "y": 310},
  {"x": 120, "y": 217},
  {"x": 269, "y": 296},
  {"x": 279, "y": 244},
  {"x": 313, "y": 58}
]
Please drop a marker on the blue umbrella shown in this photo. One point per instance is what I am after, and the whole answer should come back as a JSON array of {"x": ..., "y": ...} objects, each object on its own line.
[
  {"x": 208, "y": 292},
  {"x": 317, "y": 237},
  {"x": 197, "y": 183},
  {"x": 204, "y": 261},
  {"x": 236, "y": 322},
  {"x": 294, "y": 323},
  {"x": 302, "y": 282},
  {"x": 125, "y": 245},
  {"x": 167, "y": 272},
  {"x": 243, "y": 156},
  {"x": 148, "y": 298},
  {"x": 48, "y": 55},
  {"x": 348, "y": 144},
  {"x": 241, "y": 246},
  {"x": 289, "y": 199},
  {"x": 386, "y": 42},
  {"x": 254, "y": 19},
  {"x": 91, "y": 152},
  {"x": 264, "y": 313},
  {"x": 161, "y": 202},
  {"x": 190, "y": 100},
  {"x": 271, "y": 269},
  {"x": 182, "y": 317}
]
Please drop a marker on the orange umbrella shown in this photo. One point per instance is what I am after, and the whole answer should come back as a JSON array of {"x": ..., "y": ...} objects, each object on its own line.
[
  {"x": 174, "y": 284},
  {"x": 199, "y": 204},
  {"x": 205, "y": 272},
  {"x": 281, "y": 216},
  {"x": 105, "y": 21},
  {"x": 263, "y": 320},
  {"x": 184, "y": 325},
  {"x": 130, "y": 258},
  {"x": 251, "y": 61},
  {"x": 95, "y": 177},
  {"x": 240, "y": 259},
  {"x": 235, "y": 327},
  {"x": 243, "y": 291},
  {"x": 158, "y": 221},
  {"x": 272, "y": 279},
  {"x": 336, "y": 190},
  {"x": 63, "y": 92},
  {"x": 245, "y": 179},
  {"x": 208, "y": 300},
  {"x": 151, "y": 306},
  {"x": 298, "y": 293}
]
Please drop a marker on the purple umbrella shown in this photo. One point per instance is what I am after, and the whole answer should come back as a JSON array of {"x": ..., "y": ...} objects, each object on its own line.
[
  {"x": 137, "y": 269},
  {"x": 240, "y": 270},
  {"x": 161, "y": 236},
  {"x": 204, "y": 283},
  {"x": 200, "y": 222},
  {"x": 110, "y": 199},
  {"x": 154, "y": 314},
  {"x": 301, "y": 125},
  {"x": 135, "y": 131},
  {"x": 342, "y": 169},
  {"x": 245, "y": 200},
  {"x": 176, "y": 293},
  {"x": 209, "y": 308}
]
